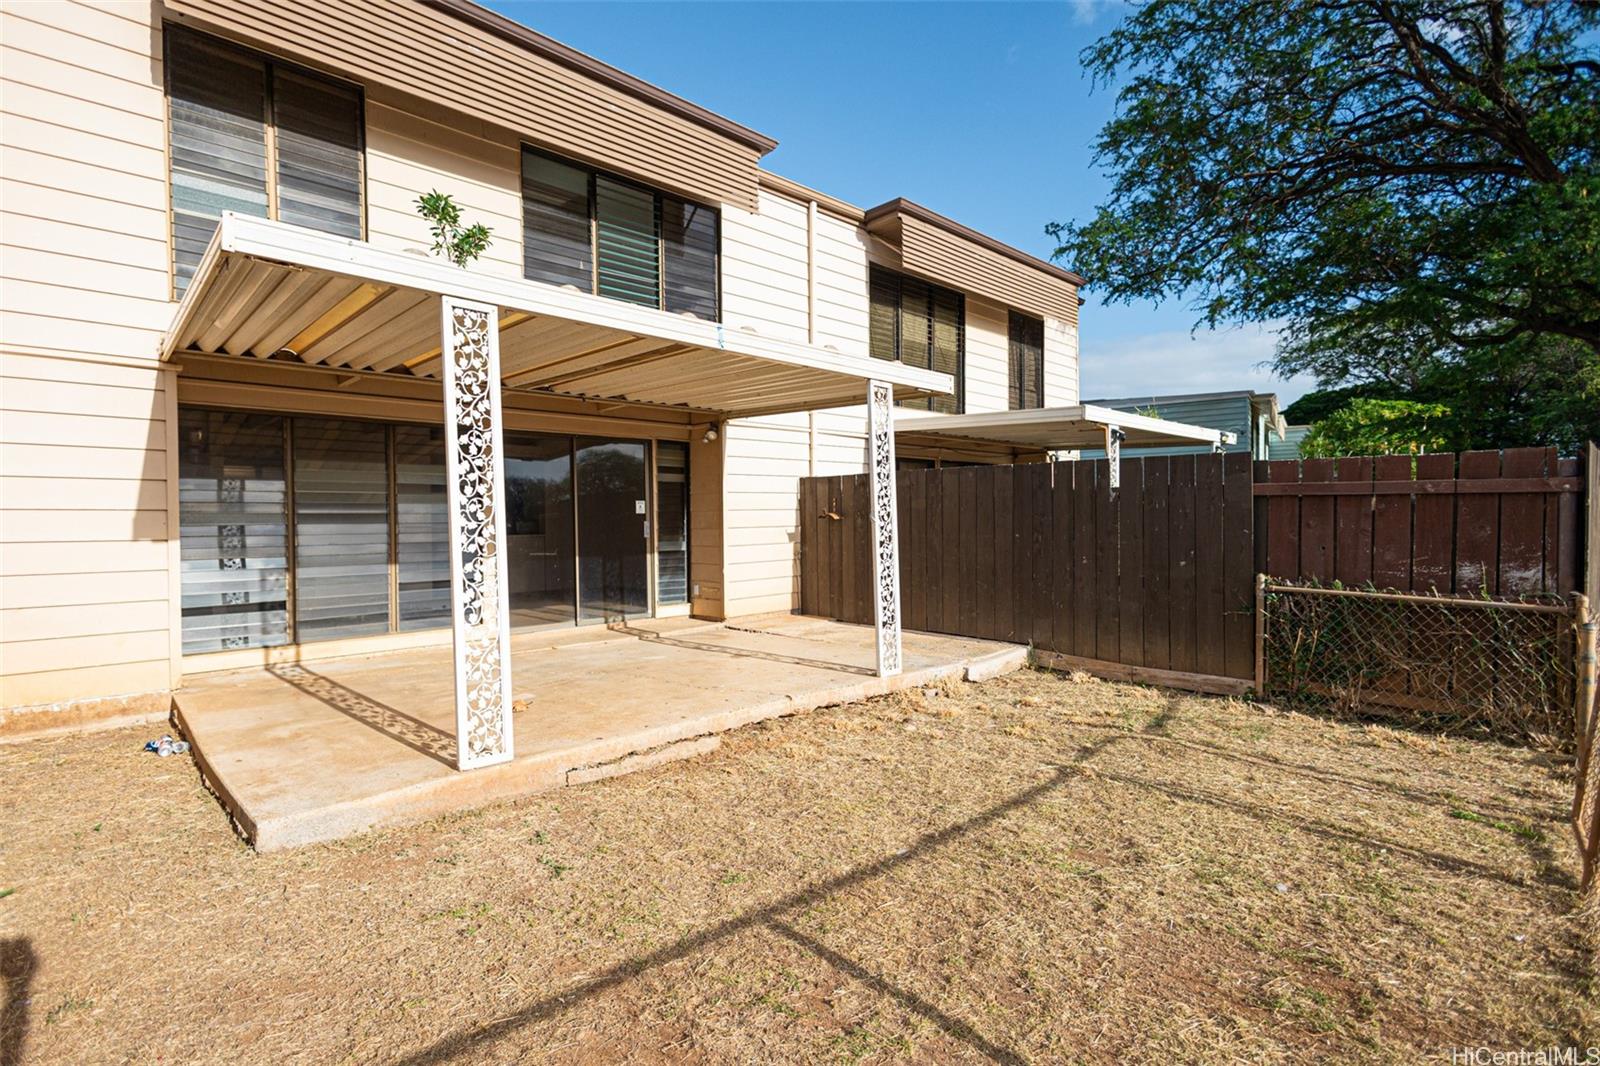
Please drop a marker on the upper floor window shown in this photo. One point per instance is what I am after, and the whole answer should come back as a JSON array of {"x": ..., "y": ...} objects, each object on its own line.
[
  {"x": 920, "y": 324},
  {"x": 251, "y": 135},
  {"x": 1027, "y": 361},
  {"x": 606, "y": 235}
]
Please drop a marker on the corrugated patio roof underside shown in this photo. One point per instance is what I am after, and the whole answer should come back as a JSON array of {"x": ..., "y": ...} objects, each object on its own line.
[{"x": 269, "y": 291}]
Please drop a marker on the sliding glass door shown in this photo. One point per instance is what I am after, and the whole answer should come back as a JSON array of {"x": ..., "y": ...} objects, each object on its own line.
[
  {"x": 303, "y": 528},
  {"x": 613, "y": 529},
  {"x": 539, "y": 529}
]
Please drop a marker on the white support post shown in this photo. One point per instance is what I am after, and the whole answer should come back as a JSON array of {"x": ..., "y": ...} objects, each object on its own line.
[
  {"x": 885, "y": 538},
  {"x": 479, "y": 594},
  {"x": 1114, "y": 437}
]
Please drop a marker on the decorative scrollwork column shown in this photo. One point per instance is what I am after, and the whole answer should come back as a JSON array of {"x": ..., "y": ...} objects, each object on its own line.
[
  {"x": 479, "y": 595},
  {"x": 885, "y": 538}
]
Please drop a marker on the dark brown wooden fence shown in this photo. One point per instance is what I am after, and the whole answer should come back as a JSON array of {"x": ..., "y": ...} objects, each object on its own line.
[
  {"x": 1499, "y": 523},
  {"x": 1156, "y": 577}
]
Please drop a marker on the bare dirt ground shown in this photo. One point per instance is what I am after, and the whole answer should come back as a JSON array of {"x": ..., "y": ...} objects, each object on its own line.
[{"x": 1035, "y": 869}]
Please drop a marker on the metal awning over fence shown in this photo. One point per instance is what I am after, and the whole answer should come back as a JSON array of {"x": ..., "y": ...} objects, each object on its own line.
[{"x": 1049, "y": 429}]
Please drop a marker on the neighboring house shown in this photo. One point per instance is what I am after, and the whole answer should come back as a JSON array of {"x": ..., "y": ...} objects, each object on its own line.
[
  {"x": 1289, "y": 446},
  {"x": 258, "y": 472},
  {"x": 1251, "y": 416}
]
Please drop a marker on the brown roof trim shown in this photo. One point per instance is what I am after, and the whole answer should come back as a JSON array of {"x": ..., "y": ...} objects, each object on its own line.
[
  {"x": 795, "y": 191},
  {"x": 518, "y": 34},
  {"x": 902, "y": 206}
]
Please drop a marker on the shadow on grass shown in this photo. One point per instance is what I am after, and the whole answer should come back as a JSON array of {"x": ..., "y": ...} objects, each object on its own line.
[
  {"x": 18, "y": 964},
  {"x": 768, "y": 917}
]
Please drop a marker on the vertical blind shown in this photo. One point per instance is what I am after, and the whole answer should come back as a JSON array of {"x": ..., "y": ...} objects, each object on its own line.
[
  {"x": 232, "y": 518},
  {"x": 622, "y": 240},
  {"x": 920, "y": 324},
  {"x": 672, "y": 518},
  {"x": 1027, "y": 361},
  {"x": 341, "y": 529},
  {"x": 221, "y": 101},
  {"x": 422, "y": 531}
]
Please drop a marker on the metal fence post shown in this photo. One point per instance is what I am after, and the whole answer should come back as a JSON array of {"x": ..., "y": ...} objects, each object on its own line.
[{"x": 1261, "y": 636}]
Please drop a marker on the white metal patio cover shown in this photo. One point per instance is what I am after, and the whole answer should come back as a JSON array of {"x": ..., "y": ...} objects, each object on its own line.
[
  {"x": 266, "y": 290},
  {"x": 1048, "y": 429}
]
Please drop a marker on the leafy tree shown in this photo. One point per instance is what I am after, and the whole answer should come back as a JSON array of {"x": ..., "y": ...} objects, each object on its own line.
[
  {"x": 457, "y": 243},
  {"x": 1379, "y": 427},
  {"x": 1410, "y": 187}
]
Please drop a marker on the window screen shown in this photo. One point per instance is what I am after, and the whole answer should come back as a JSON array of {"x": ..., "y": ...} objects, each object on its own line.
[
  {"x": 1027, "y": 361},
  {"x": 627, "y": 248},
  {"x": 689, "y": 248},
  {"x": 422, "y": 532},
  {"x": 919, "y": 324},
  {"x": 672, "y": 517},
  {"x": 556, "y": 241},
  {"x": 341, "y": 529},
  {"x": 232, "y": 515}
]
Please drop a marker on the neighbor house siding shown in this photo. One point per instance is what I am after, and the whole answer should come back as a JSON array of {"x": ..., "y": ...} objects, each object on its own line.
[{"x": 86, "y": 568}]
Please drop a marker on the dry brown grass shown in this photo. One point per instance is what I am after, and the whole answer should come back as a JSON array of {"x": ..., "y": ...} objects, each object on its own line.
[{"x": 1034, "y": 869}]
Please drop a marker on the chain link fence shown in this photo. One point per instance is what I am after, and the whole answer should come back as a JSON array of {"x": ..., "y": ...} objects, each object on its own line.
[{"x": 1500, "y": 669}]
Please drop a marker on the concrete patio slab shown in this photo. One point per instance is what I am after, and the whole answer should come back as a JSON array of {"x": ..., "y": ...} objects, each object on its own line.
[{"x": 304, "y": 752}]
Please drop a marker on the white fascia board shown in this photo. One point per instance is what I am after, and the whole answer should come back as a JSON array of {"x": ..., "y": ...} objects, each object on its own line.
[
  {"x": 1155, "y": 426},
  {"x": 313, "y": 250},
  {"x": 995, "y": 425}
]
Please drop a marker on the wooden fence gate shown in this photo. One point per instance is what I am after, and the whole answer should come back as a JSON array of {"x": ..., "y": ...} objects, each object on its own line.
[{"x": 1154, "y": 581}]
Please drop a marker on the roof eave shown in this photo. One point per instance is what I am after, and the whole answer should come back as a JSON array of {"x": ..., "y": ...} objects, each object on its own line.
[{"x": 902, "y": 206}]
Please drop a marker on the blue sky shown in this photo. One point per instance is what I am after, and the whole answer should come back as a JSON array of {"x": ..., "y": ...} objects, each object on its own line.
[{"x": 977, "y": 110}]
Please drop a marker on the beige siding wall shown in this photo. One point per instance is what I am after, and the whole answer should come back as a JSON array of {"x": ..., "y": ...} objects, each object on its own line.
[
  {"x": 413, "y": 148},
  {"x": 764, "y": 268},
  {"x": 1060, "y": 362},
  {"x": 86, "y": 595},
  {"x": 764, "y": 280}
]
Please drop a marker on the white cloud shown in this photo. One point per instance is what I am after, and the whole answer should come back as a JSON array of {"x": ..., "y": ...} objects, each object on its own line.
[{"x": 1174, "y": 361}]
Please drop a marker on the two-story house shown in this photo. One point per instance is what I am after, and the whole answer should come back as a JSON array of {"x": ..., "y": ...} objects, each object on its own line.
[{"x": 227, "y": 386}]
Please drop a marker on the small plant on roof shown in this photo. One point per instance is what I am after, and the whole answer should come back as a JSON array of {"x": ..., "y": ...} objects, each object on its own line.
[{"x": 457, "y": 243}]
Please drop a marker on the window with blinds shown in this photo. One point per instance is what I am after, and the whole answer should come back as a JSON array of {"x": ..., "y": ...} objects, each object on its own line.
[
  {"x": 557, "y": 243},
  {"x": 226, "y": 105},
  {"x": 689, "y": 242},
  {"x": 920, "y": 324},
  {"x": 341, "y": 529},
  {"x": 422, "y": 531},
  {"x": 672, "y": 519},
  {"x": 619, "y": 239},
  {"x": 233, "y": 523},
  {"x": 627, "y": 243},
  {"x": 1027, "y": 361}
]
